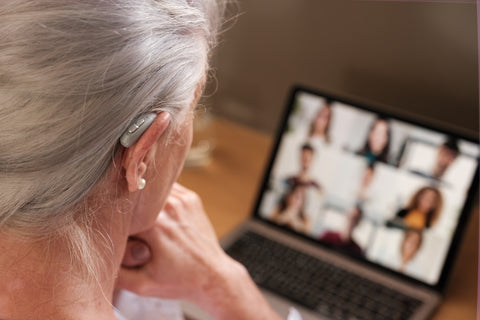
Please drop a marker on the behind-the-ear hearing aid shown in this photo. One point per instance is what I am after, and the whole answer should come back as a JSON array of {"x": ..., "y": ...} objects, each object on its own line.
[{"x": 136, "y": 129}]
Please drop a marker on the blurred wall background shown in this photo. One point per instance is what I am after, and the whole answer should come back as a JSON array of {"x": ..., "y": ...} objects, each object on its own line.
[{"x": 417, "y": 58}]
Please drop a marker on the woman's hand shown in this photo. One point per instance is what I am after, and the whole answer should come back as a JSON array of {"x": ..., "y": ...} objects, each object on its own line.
[
  {"x": 179, "y": 257},
  {"x": 184, "y": 252}
]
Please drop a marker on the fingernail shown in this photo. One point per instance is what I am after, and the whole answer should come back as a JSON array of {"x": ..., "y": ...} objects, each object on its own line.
[{"x": 140, "y": 252}]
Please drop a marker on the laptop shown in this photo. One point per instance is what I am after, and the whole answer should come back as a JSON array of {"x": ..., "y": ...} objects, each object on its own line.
[{"x": 360, "y": 213}]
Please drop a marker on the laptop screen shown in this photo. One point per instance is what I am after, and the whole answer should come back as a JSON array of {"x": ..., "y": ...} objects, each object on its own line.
[{"x": 370, "y": 186}]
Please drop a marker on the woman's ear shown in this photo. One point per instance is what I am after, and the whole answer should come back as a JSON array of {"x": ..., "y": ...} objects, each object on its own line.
[{"x": 136, "y": 157}]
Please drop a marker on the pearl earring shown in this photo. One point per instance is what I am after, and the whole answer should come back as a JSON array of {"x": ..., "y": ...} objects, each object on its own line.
[{"x": 141, "y": 184}]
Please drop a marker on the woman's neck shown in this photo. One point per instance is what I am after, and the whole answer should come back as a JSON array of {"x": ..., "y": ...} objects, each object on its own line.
[
  {"x": 39, "y": 281},
  {"x": 44, "y": 280}
]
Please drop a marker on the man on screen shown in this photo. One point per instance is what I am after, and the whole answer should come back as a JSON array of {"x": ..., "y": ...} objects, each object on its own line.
[
  {"x": 303, "y": 177},
  {"x": 446, "y": 155}
]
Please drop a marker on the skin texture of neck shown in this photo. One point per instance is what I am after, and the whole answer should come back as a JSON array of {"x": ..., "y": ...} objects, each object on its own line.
[{"x": 38, "y": 280}]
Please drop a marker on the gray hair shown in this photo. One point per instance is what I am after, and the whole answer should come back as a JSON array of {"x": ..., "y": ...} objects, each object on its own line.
[{"x": 73, "y": 75}]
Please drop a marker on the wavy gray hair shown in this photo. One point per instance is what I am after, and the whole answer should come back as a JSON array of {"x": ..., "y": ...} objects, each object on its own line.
[{"x": 73, "y": 75}]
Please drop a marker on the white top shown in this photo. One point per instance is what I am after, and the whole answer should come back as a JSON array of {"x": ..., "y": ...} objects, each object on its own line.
[{"x": 133, "y": 307}]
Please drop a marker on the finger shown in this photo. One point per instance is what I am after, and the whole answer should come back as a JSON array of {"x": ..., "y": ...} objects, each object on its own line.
[
  {"x": 178, "y": 193},
  {"x": 187, "y": 198},
  {"x": 137, "y": 253},
  {"x": 134, "y": 280},
  {"x": 186, "y": 193},
  {"x": 173, "y": 208},
  {"x": 180, "y": 188}
]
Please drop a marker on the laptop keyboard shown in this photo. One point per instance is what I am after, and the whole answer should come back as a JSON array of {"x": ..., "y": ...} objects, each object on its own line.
[{"x": 318, "y": 285}]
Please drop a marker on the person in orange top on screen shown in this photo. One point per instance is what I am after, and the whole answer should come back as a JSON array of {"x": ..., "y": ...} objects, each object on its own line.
[{"x": 423, "y": 209}]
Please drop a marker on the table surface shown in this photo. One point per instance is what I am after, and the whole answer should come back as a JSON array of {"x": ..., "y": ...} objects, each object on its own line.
[{"x": 229, "y": 183}]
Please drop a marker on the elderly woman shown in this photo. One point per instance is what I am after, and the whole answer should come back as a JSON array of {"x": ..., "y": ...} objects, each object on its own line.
[{"x": 96, "y": 105}]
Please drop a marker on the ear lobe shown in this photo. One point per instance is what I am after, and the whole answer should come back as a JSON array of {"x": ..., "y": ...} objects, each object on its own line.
[{"x": 136, "y": 157}]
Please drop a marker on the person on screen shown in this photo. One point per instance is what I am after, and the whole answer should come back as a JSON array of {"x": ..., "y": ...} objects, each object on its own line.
[
  {"x": 377, "y": 145},
  {"x": 446, "y": 155},
  {"x": 343, "y": 240},
  {"x": 423, "y": 210},
  {"x": 290, "y": 211},
  {"x": 303, "y": 177},
  {"x": 411, "y": 243},
  {"x": 319, "y": 129}
]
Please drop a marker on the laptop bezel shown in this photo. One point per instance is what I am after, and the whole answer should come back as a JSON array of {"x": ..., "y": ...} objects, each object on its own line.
[{"x": 464, "y": 215}]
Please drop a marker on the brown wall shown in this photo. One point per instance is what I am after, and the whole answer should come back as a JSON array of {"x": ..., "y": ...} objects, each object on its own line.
[{"x": 413, "y": 57}]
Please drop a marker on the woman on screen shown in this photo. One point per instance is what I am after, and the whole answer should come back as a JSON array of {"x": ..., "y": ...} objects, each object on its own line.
[
  {"x": 377, "y": 145},
  {"x": 319, "y": 128},
  {"x": 423, "y": 210}
]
